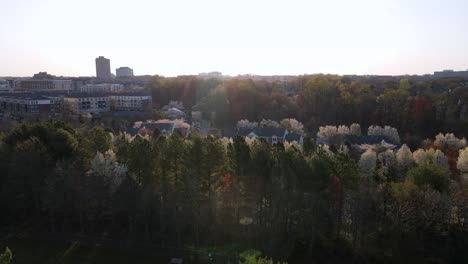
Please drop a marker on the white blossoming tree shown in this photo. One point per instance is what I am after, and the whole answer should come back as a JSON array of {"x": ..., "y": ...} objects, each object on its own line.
[
  {"x": 343, "y": 149},
  {"x": 244, "y": 123},
  {"x": 106, "y": 166},
  {"x": 427, "y": 143},
  {"x": 225, "y": 142},
  {"x": 431, "y": 156},
  {"x": 292, "y": 145},
  {"x": 328, "y": 134},
  {"x": 388, "y": 164},
  {"x": 367, "y": 163},
  {"x": 292, "y": 125},
  {"x": 390, "y": 133},
  {"x": 449, "y": 140},
  {"x": 355, "y": 129},
  {"x": 250, "y": 141},
  {"x": 440, "y": 160},
  {"x": 404, "y": 158},
  {"x": 462, "y": 163},
  {"x": 375, "y": 131},
  {"x": 269, "y": 123},
  {"x": 343, "y": 130},
  {"x": 423, "y": 157},
  {"x": 334, "y": 134},
  {"x": 462, "y": 143},
  {"x": 326, "y": 149}
]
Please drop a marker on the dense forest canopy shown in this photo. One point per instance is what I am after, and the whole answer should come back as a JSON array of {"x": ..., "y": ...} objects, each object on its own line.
[{"x": 293, "y": 202}]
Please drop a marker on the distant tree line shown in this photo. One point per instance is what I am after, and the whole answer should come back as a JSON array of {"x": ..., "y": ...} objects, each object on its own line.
[{"x": 417, "y": 107}]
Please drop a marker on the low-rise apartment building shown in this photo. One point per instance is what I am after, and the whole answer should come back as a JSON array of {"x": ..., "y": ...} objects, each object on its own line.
[
  {"x": 62, "y": 85},
  {"x": 26, "y": 103},
  {"x": 45, "y": 85},
  {"x": 80, "y": 104},
  {"x": 5, "y": 86},
  {"x": 130, "y": 102},
  {"x": 101, "y": 87}
]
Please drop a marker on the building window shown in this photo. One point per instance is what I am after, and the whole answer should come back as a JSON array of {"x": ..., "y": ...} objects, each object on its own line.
[{"x": 274, "y": 140}]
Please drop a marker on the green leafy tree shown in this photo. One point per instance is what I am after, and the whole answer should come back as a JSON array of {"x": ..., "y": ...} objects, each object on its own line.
[
  {"x": 392, "y": 107},
  {"x": 137, "y": 155},
  {"x": 98, "y": 140},
  {"x": 405, "y": 84},
  {"x": 347, "y": 169},
  {"x": 255, "y": 257},
  {"x": 320, "y": 171},
  {"x": 309, "y": 145},
  {"x": 215, "y": 106},
  {"x": 6, "y": 257},
  {"x": 214, "y": 161},
  {"x": 429, "y": 175},
  {"x": 239, "y": 156},
  {"x": 262, "y": 163},
  {"x": 59, "y": 138},
  {"x": 29, "y": 165}
]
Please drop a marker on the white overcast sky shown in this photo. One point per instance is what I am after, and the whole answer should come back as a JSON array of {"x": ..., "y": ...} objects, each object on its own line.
[{"x": 173, "y": 37}]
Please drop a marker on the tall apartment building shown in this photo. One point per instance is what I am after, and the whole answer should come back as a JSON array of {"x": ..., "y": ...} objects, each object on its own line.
[
  {"x": 124, "y": 72},
  {"x": 103, "y": 70}
]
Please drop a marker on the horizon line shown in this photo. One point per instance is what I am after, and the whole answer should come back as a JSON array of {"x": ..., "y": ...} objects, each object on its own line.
[{"x": 244, "y": 74}]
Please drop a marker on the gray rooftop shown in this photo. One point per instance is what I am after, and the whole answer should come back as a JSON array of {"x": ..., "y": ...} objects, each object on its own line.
[
  {"x": 24, "y": 96},
  {"x": 262, "y": 131}
]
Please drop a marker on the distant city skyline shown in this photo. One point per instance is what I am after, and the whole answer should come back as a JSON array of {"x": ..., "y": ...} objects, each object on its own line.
[{"x": 363, "y": 37}]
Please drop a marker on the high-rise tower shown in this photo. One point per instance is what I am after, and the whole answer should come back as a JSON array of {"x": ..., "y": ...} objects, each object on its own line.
[{"x": 103, "y": 70}]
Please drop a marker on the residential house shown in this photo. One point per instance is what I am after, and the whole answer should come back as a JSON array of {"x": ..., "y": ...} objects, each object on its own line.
[
  {"x": 363, "y": 142},
  {"x": 174, "y": 113},
  {"x": 166, "y": 127},
  {"x": 270, "y": 135},
  {"x": 291, "y": 137},
  {"x": 174, "y": 104}
]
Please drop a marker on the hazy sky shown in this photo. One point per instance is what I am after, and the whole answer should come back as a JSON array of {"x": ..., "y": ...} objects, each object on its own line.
[{"x": 172, "y": 37}]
